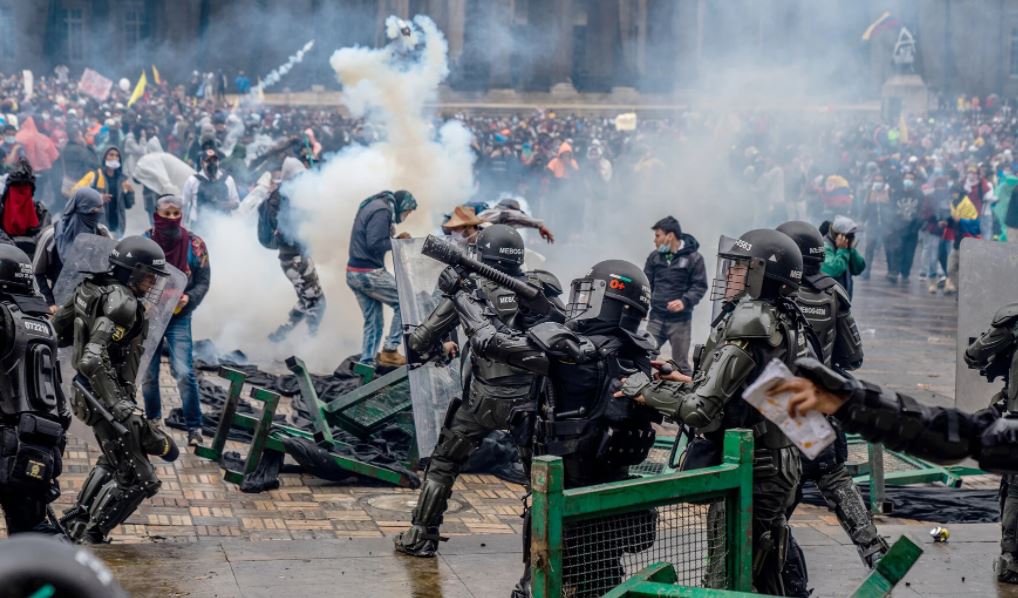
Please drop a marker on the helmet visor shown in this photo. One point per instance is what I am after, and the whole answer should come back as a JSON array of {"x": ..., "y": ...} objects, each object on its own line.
[
  {"x": 148, "y": 284},
  {"x": 585, "y": 298},
  {"x": 737, "y": 272}
]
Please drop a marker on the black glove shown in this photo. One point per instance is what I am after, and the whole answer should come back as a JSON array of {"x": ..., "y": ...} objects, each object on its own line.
[{"x": 452, "y": 279}]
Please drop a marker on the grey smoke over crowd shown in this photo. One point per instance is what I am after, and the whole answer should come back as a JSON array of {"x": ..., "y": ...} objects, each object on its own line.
[{"x": 740, "y": 77}]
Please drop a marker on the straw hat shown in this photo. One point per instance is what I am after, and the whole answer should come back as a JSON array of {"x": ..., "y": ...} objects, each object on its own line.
[{"x": 462, "y": 217}]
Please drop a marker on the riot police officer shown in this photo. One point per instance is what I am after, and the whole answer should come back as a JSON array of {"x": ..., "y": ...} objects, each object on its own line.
[
  {"x": 105, "y": 320},
  {"x": 493, "y": 390},
  {"x": 828, "y": 310},
  {"x": 33, "y": 412},
  {"x": 598, "y": 437},
  {"x": 759, "y": 274},
  {"x": 993, "y": 354}
]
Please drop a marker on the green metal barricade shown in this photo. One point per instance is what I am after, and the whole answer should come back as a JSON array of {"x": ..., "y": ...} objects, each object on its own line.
[{"x": 586, "y": 541}]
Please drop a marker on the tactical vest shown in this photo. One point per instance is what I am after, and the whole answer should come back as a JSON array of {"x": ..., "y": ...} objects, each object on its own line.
[
  {"x": 29, "y": 371},
  {"x": 792, "y": 342},
  {"x": 496, "y": 378},
  {"x": 582, "y": 422},
  {"x": 820, "y": 307},
  {"x": 125, "y": 352},
  {"x": 212, "y": 194}
]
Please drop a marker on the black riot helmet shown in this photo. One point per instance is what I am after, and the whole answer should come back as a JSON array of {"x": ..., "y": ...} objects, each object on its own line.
[
  {"x": 763, "y": 263},
  {"x": 139, "y": 263},
  {"x": 614, "y": 292},
  {"x": 501, "y": 247},
  {"x": 16, "y": 273},
  {"x": 810, "y": 242}
]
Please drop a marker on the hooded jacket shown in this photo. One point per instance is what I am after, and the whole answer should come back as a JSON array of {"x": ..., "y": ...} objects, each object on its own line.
[
  {"x": 680, "y": 275},
  {"x": 373, "y": 228},
  {"x": 120, "y": 201}
]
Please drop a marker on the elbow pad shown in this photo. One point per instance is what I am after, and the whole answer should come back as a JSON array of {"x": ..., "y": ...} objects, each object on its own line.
[
  {"x": 997, "y": 449},
  {"x": 847, "y": 352},
  {"x": 514, "y": 350},
  {"x": 729, "y": 367}
]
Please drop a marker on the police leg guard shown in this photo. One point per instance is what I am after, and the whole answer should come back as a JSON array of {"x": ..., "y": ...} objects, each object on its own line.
[
  {"x": 795, "y": 576},
  {"x": 75, "y": 519},
  {"x": 112, "y": 506},
  {"x": 844, "y": 498},
  {"x": 770, "y": 548},
  {"x": 422, "y": 538}
]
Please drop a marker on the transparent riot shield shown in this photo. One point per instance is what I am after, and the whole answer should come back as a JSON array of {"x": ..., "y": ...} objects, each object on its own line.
[
  {"x": 985, "y": 284},
  {"x": 90, "y": 254},
  {"x": 433, "y": 384}
]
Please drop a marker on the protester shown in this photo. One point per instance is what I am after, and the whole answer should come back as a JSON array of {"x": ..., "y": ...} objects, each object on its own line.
[
  {"x": 22, "y": 218},
  {"x": 82, "y": 214},
  {"x": 185, "y": 251},
  {"x": 372, "y": 285},
  {"x": 116, "y": 190},
  {"x": 878, "y": 217},
  {"x": 277, "y": 230},
  {"x": 903, "y": 236},
  {"x": 678, "y": 281},
  {"x": 841, "y": 258},
  {"x": 210, "y": 189},
  {"x": 463, "y": 225}
]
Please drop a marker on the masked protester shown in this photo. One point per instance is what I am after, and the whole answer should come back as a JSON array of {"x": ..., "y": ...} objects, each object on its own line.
[
  {"x": 105, "y": 321},
  {"x": 11, "y": 149},
  {"x": 463, "y": 225},
  {"x": 678, "y": 281},
  {"x": 277, "y": 230},
  {"x": 208, "y": 190},
  {"x": 373, "y": 229},
  {"x": 21, "y": 217},
  {"x": 185, "y": 251},
  {"x": 82, "y": 214},
  {"x": 115, "y": 189}
]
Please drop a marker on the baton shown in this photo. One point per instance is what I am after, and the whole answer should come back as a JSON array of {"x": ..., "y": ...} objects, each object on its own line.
[{"x": 95, "y": 405}]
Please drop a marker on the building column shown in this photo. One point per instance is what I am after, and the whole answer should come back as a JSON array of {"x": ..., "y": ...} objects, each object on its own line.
[{"x": 561, "y": 74}]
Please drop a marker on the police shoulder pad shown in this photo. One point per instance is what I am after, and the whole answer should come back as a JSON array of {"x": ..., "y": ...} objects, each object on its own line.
[
  {"x": 752, "y": 319},
  {"x": 548, "y": 282},
  {"x": 844, "y": 301},
  {"x": 1006, "y": 315},
  {"x": 120, "y": 306}
]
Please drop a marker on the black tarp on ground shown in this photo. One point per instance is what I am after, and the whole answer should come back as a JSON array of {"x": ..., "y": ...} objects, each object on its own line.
[{"x": 938, "y": 504}]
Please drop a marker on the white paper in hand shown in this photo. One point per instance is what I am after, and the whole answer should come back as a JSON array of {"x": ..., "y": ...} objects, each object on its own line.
[{"x": 811, "y": 433}]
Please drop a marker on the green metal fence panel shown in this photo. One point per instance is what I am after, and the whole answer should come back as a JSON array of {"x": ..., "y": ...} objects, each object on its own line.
[
  {"x": 215, "y": 452},
  {"x": 583, "y": 538},
  {"x": 658, "y": 580}
]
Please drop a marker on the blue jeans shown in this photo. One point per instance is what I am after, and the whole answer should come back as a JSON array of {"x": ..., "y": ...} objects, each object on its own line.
[
  {"x": 374, "y": 289},
  {"x": 177, "y": 340}
]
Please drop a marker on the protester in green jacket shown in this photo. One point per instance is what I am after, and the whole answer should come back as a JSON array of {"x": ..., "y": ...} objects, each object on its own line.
[{"x": 842, "y": 260}]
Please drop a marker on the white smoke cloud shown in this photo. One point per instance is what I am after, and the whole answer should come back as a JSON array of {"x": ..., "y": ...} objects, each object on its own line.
[{"x": 390, "y": 87}]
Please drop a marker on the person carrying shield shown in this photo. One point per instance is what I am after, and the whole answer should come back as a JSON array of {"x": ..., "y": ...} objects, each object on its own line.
[{"x": 106, "y": 322}]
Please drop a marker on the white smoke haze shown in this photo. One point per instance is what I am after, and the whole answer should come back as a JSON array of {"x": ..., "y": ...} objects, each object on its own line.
[{"x": 250, "y": 296}]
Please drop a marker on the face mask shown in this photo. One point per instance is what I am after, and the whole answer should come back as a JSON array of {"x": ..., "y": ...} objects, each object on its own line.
[
  {"x": 664, "y": 248},
  {"x": 113, "y": 164},
  {"x": 908, "y": 184},
  {"x": 211, "y": 169},
  {"x": 10, "y": 140}
]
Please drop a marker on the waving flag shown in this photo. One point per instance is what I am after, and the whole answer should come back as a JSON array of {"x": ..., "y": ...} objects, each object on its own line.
[
  {"x": 139, "y": 89},
  {"x": 883, "y": 23}
]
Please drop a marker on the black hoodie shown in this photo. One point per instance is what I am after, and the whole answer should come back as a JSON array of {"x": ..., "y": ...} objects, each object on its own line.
[{"x": 679, "y": 275}]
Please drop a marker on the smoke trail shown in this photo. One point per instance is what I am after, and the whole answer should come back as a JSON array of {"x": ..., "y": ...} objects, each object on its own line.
[
  {"x": 279, "y": 72},
  {"x": 388, "y": 86}
]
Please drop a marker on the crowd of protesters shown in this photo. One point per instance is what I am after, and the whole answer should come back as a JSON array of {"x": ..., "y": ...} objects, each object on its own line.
[{"x": 899, "y": 195}]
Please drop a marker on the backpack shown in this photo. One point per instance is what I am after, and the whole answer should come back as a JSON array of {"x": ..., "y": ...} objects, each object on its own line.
[{"x": 267, "y": 220}]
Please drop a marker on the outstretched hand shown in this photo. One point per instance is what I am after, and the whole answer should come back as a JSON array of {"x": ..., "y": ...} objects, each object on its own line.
[{"x": 806, "y": 397}]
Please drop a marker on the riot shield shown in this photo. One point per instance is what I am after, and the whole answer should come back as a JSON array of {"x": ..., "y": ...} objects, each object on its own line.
[
  {"x": 89, "y": 254},
  {"x": 985, "y": 284},
  {"x": 434, "y": 384}
]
